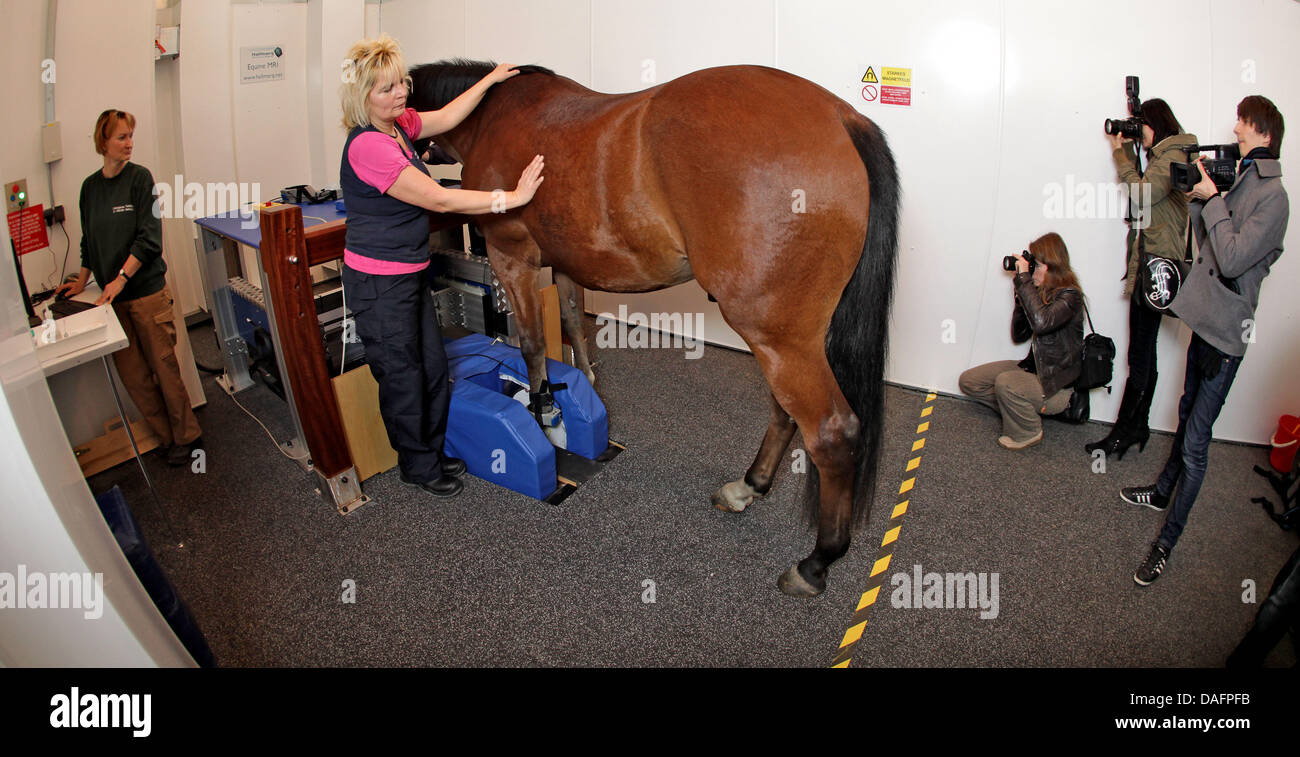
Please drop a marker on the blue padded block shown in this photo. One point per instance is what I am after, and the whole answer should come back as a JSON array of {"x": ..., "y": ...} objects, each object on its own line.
[
  {"x": 486, "y": 428},
  {"x": 474, "y": 359}
]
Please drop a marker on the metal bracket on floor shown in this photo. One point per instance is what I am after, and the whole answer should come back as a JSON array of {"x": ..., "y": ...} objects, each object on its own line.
[{"x": 343, "y": 491}]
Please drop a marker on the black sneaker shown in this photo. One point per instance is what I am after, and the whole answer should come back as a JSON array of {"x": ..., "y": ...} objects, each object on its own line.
[
  {"x": 1152, "y": 567},
  {"x": 453, "y": 467},
  {"x": 1145, "y": 496},
  {"x": 446, "y": 486}
]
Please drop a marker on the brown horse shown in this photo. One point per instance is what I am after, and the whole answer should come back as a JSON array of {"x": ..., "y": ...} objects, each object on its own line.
[{"x": 772, "y": 193}]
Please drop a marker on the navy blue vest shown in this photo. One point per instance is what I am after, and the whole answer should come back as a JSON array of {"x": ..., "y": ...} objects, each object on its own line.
[{"x": 380, "y": 226}]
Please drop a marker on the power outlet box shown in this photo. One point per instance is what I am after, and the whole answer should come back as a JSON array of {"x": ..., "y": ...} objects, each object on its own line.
[
  {"x": 16, "y": 195},
  {"x": 54, "y": 215},
  {"x": 52, "y": 142}
]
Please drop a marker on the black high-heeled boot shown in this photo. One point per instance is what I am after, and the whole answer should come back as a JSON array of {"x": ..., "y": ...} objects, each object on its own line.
[
  {"x": 1120, "y": 431},
  {"x": 1121, "y": 444}
]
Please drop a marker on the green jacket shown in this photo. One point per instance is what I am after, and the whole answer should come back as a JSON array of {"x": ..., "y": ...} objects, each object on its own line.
[
  {"x": 118, "y": 219},
  {"x": 1166, "y": 222}
]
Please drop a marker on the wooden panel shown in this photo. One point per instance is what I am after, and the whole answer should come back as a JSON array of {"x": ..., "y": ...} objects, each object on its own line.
[
  {"x": 357, "y": 394},
  {"x": 284, "y": 260},
  {"x": 114, "y": 448},
  {"x": 325, "y": 242},
  {"x": 551, "y": 322}
]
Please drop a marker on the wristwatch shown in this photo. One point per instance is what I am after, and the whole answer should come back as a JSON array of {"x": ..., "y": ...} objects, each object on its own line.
[{"x": 124, "y": 274}]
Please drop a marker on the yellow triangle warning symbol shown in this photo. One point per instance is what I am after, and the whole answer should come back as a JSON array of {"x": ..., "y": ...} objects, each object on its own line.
[{"x": 870, "y": 76}]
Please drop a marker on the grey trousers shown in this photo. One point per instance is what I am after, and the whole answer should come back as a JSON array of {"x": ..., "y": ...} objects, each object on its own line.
[{"x": 1014, "y": 393}]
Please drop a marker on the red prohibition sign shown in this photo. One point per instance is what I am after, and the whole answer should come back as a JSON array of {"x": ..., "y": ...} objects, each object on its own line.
[{"x": 869, "y": 93}]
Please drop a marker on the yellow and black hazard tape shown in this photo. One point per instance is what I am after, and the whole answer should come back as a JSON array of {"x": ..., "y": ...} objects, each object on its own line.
[{"x": 886, "y": 551}]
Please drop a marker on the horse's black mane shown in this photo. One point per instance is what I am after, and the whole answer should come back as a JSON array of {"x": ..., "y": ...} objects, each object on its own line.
[{"x": 436, "y": 84}]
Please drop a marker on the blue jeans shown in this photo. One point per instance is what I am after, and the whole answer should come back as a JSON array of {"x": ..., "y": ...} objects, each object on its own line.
[{"x": 1197, "y": 410}]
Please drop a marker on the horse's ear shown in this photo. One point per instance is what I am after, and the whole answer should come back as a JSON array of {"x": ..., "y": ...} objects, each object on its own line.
[{"x": 437, "y": 156}]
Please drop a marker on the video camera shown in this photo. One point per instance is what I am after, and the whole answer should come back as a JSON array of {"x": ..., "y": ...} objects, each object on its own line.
[
  {"x": 1128, "y": 127},
  {"x": 1222, "y": 168}
]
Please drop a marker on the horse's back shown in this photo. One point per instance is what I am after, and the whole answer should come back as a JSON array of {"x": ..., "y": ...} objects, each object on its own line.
[{"x": 761, "y": 175}]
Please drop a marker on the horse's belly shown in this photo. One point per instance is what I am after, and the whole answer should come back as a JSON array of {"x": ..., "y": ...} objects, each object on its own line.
[{"x": 612, "y": 253}]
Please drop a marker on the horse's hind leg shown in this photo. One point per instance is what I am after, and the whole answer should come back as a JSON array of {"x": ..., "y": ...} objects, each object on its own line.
[
  {"x": 802, "y": 382},
  {"x": 737, "y": 495},
  {"x": 571, "y": 311}
]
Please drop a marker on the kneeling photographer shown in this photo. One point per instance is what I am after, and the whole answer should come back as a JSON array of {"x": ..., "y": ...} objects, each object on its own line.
[
  {"x": 1049, "y": 313},
  {"x": 1238, "y": 236}
]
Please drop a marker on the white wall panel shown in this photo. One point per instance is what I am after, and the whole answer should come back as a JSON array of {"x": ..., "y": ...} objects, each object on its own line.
[
  {"x": 271, "y": 147},
  {"x": 427, "y": 31},
  {"x": 555, "y": 34}
]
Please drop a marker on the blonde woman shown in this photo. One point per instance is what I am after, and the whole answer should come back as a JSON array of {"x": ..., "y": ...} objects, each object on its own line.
[{"x": 388, "y": 193}]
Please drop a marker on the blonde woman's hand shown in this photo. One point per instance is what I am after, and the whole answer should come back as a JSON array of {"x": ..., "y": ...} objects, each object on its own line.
[
  {"x": 530, "y": 180},
  {"x": 502, "y": 72}
]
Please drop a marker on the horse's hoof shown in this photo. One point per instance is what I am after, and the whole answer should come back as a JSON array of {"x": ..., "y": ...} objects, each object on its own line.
[
  {"x": 734, "y": 497},
  {"x": 793, "y": 583}
]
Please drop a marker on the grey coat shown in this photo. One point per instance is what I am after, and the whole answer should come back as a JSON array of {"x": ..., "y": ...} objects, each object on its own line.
[{"x": 1238, "y": 237}]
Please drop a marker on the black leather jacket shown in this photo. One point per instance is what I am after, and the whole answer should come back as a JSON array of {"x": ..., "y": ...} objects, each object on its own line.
[{"x": 1055, "y": 330}]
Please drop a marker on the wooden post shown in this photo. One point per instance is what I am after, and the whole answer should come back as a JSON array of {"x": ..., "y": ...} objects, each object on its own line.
[{"x": 285, "y": 262}]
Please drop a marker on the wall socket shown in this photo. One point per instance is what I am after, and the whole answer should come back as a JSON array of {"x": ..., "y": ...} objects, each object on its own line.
[{"x": 54, "y": 215}]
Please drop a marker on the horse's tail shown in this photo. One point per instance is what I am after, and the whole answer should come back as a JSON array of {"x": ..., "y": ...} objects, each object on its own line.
[{"x": 857, "y": 341}]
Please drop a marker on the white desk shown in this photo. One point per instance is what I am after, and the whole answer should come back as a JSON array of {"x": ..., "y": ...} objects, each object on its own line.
[
  {"x": 91, "y": 334},
  {"x": 113, "y": 338}
]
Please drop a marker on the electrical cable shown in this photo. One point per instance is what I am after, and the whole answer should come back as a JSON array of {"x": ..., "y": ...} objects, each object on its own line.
[{"x": 268, "y": 433}]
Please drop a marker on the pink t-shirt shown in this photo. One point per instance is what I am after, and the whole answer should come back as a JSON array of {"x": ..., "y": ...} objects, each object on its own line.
[{"x": 377, "y": 159}]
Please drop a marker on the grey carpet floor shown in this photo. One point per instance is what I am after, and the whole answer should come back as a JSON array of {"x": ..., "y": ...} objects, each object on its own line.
[{"x": 493, "y": 578}]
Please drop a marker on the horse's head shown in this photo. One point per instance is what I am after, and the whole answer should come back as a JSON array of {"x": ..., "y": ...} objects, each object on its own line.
[{"x": 433, "y": 85}]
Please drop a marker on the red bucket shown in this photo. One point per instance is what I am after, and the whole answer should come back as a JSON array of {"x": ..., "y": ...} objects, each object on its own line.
[{"x": 1285, "y": 441}]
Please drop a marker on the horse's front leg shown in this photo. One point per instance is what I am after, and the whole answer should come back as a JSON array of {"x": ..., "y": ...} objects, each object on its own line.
[
  {"x": 517, "y": 269},
  {"x": 571, "y": 312}
]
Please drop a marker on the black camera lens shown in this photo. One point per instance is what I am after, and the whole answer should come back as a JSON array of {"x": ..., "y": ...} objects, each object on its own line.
[{"x": 1009, "y": 262}]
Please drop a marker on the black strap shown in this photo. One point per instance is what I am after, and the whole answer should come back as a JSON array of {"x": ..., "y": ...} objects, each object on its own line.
[{"x": 537, "y": 401}]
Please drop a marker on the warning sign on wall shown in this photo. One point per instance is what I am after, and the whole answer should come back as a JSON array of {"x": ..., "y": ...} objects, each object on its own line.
[
  {"x": 895, "y": 85},
  {"x": 898, "y": 77},
  {"x": 27, "y": 229},
  {"x": 896, "y": 95}
]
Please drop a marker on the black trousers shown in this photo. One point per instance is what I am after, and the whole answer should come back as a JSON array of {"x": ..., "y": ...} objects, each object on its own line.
[
  {"x": 1143, "y": 330},
  {"x": 397, "y": 323},
  {"x": 1279, "y": 613}
]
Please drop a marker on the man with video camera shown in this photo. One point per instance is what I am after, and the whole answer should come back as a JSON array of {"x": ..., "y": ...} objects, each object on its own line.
[{"x": 1238, "y": 236}]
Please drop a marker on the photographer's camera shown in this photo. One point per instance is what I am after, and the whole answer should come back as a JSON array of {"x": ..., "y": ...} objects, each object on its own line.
[{"x": 1009, "y": 262}]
